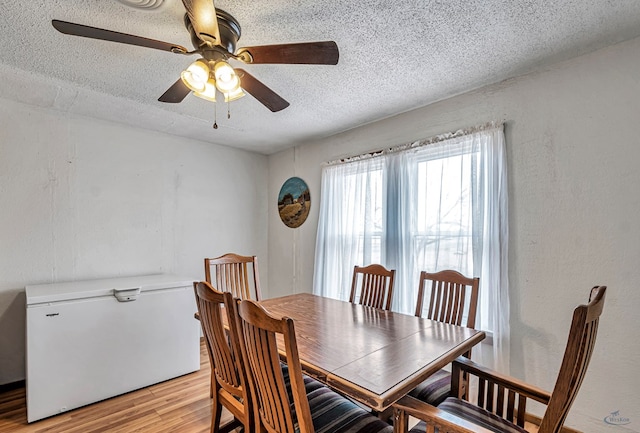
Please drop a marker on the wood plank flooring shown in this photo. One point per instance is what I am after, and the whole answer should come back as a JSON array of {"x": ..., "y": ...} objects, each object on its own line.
[{"x": 177, "y": 405}]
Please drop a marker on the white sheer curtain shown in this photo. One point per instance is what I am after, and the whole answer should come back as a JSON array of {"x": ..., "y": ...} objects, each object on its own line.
[
  {"x": 351, "y": 225},
  {"x": 427, "y": 207}
]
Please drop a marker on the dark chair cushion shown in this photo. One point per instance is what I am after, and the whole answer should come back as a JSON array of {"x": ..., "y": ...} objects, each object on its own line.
[
  {"x": 333, "y": 413},
  {"x": 474, "y": 414},
  {"x": 435, "y": 389}
]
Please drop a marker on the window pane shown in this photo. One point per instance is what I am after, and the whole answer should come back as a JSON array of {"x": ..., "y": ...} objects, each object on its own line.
[{"x": 443, "y": 234}]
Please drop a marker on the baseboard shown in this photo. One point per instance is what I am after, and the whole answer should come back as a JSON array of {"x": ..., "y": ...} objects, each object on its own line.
[
  {"x": 11, "y": 386},
  {"x": 537, "y": 420}
]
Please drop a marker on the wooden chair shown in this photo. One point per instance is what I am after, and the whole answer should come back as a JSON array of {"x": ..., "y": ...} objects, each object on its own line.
[
  {"x": 376, "y": 286},
  {"x": 286, "y": 401},
  {"x": 233, "y": 273},
  {"x": 501, "y": 401},
  {"x": 228, "y": 381},
  {"x": 452, "y": 296}
]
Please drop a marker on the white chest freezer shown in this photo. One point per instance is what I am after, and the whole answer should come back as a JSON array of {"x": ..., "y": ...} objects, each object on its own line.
[{"x": 91, "y": 340}]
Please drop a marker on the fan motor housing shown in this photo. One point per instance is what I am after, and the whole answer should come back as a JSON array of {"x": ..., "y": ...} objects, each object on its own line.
[{"x": 228, "y": 27}]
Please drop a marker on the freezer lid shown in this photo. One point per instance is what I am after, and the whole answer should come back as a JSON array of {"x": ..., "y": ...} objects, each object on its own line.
[{"x": 66, "y": 291}]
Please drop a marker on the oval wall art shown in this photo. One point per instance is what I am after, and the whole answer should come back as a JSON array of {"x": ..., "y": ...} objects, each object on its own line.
[{"x": 294, "y": 202}]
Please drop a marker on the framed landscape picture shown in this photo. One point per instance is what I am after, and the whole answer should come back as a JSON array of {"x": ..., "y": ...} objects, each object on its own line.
[{"x": 294, "y": 202}]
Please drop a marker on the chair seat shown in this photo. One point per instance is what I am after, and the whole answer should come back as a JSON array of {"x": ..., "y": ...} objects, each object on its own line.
[
  {"x": 435, "y": 389},
  {"x": 333, "y": 413},
  {"x": 475, "y": 415}
]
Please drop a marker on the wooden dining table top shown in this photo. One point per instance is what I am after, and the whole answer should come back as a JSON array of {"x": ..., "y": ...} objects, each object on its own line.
[{"x": 372, "y": 355}]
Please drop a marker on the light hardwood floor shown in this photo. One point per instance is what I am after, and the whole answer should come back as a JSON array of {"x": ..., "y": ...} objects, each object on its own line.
[{"x": 177, "y": 405}]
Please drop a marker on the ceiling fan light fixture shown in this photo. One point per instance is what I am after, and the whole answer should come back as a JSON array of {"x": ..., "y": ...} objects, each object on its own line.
[
  {"x": 196, "y": 75},
  {"x": 209, "y": 92},
  {"x": 227, "y": 81},
  {"x": 214, "y": 34}
]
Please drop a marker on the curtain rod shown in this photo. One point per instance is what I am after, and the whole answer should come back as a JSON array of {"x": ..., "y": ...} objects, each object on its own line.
[{"x": 420, "y": 143}]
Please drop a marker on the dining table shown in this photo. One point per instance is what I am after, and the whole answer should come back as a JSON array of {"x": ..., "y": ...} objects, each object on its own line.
[{"x": 371, "y": 355}]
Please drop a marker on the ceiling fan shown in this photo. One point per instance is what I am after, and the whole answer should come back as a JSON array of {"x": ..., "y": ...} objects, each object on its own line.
[{"x": 214, "y": 35}]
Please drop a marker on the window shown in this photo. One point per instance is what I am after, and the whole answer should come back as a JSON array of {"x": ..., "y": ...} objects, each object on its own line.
[{"x": 426, "y": 207}]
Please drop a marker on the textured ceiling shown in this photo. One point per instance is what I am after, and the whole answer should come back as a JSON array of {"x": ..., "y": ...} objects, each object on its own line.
[{"x": 394, "y": 56}]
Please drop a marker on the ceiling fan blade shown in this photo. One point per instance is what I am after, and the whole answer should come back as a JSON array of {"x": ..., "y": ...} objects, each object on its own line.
[
  {"x": 176, "y": 93},
  {"x": 262, "y": 93},
  {"x": 306, "y": 53},
  {"x": 109, "y": 35},
  {"x": 203, "y": 17}
]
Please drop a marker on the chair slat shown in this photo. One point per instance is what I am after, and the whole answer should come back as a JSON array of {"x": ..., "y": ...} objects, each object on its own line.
[
  {"x": 449, "y": 310},
  {"x": 488, "y": 404},
  {"x": 511, "y": 400},
  {"x": 437, "y": 309},
  {"x": 500, "y": 401},
  {"x": 522, "y": 409},
  {"x": 481, "y": 392},
  {"x": 432, "y": 301}
]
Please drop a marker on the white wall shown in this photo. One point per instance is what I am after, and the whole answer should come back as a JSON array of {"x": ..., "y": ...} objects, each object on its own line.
[
  {"x": 82, "y": 199},
  {"x": 573, "y": 149}
]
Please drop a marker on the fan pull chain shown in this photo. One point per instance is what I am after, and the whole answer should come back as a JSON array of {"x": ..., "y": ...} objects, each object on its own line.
[
  {"x": 228, "y": 109},
  {"x": 215, "y": 116}
]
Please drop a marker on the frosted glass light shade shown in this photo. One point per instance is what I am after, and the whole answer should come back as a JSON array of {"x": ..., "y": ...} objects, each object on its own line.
[
  {"x": 195, "y": 77},
  {"x": 209, "y": 92},
  {"x": 232, "y": 96}
]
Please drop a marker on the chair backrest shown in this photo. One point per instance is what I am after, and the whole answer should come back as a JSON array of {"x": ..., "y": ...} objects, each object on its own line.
[
  {"x": 234, "y": 273},
  {"x": 582, "y": 338},
  {"x": 265, "y": 377},
  {"x": 224, "y": 347},
  {"x": 449, "y": 293},
  {"x": 376, "y": 286}
]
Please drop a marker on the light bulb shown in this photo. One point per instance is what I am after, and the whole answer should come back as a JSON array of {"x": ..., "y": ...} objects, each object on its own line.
[
  {"x": 195, "y": 77},
  {"x": 226, "y": 78}
]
